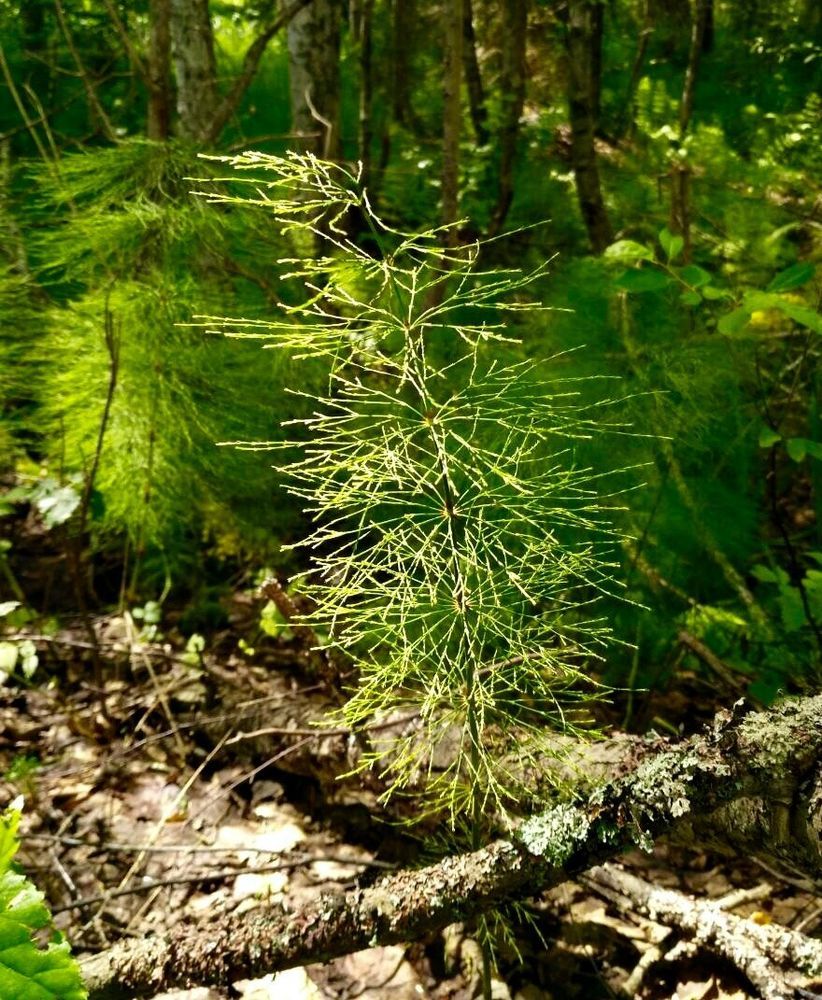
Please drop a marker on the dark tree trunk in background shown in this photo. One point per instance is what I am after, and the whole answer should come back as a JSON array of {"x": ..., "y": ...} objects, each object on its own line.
[
  {"x": 159, "y": 70},
  {"x": 580, "y": 44},
  {"x": 363, "y": 24},
  {"x": 672, "y": 18},
  {"x": 597, "y": 32},
  {"x": 628, "y": 116},
  {"x": 35, "y": 40},
  {"x": 708, "y": 34},
  {"x": 700, "y": 12},
  {"x": 403, "y": 40},
  {"x": 512, "y": 88},
  {"x": 452, "y": 113},
  {"x": 195, "y": 67},
  {"x": 473, "y": 76},
  {"x": 314, "y": 72}
]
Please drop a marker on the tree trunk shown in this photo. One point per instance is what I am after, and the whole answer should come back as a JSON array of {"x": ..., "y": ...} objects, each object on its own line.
[
  {"x": 581, "y": 63},
  {"x": 628, "y": 116},
  {"x": 597, "y": 33},
  {"x": 699, "y": 20},
  {"x": 452, "y": 115},
  {"x": 404, "y": 24},
  {"x": 767, "y": 763},
  {"x": 195, "y": 67},
  {"x": 512, "y": 87},
  {"x": 363, "y": 28},
  {"x": 473, "y": 76},
  {"x": 314, "y": 72},
  {"x": 159, "y": 70},
  {"x": 708, "y": 35}
]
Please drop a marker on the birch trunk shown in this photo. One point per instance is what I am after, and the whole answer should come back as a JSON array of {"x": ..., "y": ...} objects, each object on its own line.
[{"x": 314, "y": 77}]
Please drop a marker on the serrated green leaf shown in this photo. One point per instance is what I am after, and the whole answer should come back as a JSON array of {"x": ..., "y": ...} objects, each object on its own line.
[
  {"x": 644, "y": 280},
  {"x": 670, "y": 243},
  {"x": 791, "y": 277},
  {"x": 768, "y": 437},
  {"x": 628, "y": 250},
  {"x": 27, "y": 971}
]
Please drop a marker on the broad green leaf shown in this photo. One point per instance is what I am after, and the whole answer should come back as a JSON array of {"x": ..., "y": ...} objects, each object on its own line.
[
  {"x": 694, "y": 276},
  {"x": 803, "y": 315},
  {"x": 768, "y": 437},
  {"x": 28, "y": 658},
  {"x": 671, "y": 244},
  {"x": 628, "y": 250},
  {"x": 644, "y": 280},
  {"x": 732, "y": 324},
  {"x": 27, "y": 970},
  {"x": 796, "y": 448},
  {"x": 735, "y": 322},
  {"x": 712, "y": 292},
  {"x": 791, "y": 609},
  {"x": 57, "y": 507},
  {"x": 272, "y": 621},
  {"x": 764, "y": 575},
  {"x": 791, "y": 277},
  {"x": 690, "y": 298},
  {"x": 8, "y": 657}
]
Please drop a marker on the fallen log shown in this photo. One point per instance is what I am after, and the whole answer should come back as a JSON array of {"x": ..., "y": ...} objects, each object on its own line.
[{"x": 744, "y": 757}]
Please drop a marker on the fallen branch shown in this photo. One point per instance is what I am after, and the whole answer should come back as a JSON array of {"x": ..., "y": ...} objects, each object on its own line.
[
  {"x": 769, "y": 956},
  {"x": 752, "y": 756}
]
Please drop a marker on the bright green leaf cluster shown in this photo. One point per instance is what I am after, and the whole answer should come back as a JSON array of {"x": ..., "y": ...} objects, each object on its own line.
[{"x": 28, "y": 971}]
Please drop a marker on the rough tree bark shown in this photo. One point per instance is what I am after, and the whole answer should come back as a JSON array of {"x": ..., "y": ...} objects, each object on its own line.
[
  {"x": 314, "y": 71},
  {"x": 195, "y": 67},
  {"x": 581, "y": 65},
  {"x": 771, "y": 757}
]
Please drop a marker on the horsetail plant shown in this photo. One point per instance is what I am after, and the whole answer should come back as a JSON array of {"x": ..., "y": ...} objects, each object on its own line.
[{"x": 459, "y": 541}]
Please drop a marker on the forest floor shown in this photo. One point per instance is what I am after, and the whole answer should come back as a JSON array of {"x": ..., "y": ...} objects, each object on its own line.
[{"x": 181, "y": 796}]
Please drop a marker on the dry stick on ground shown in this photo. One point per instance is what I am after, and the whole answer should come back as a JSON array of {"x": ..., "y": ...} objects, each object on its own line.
[
  {"x": 773, "y": 754},
  {"x": 762, "y": 954}
]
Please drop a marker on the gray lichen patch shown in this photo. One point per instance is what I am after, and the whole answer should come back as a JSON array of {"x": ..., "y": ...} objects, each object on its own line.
[{"x": 555, "y": 834}]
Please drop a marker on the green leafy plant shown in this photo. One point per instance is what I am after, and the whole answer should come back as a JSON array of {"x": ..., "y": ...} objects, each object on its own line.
[{"x": 27, "y": 969}]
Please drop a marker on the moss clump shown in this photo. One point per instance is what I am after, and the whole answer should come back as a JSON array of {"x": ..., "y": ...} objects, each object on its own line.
[{"x": 555, "y": 834}]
